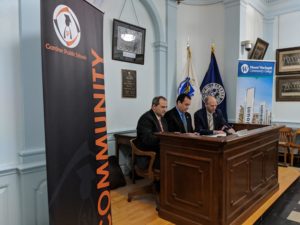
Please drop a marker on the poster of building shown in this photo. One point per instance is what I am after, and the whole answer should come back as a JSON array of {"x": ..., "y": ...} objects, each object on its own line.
[{"x": 254, "y": 91}]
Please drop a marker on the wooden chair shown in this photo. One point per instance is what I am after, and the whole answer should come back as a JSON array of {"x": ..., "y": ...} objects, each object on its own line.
[
  {"x": 148, "y": 172},
  {"x": 295, "y": 146},
  {"x": 285, "y": 136}
]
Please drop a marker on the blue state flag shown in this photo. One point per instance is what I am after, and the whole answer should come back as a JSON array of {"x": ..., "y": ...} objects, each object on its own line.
[
  {"x": 186, "y": 87},
  {"x": 212, "y": 85}
]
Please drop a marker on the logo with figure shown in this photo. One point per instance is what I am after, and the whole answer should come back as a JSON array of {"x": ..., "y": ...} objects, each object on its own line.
[
  {"x": 66, "y": 26},
  {"x": 215, "y": 90},
  {"x": 245, "y": 68}
]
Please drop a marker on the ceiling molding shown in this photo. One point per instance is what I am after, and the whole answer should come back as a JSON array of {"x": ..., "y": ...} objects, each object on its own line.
[{"x": 279, "y": 7}]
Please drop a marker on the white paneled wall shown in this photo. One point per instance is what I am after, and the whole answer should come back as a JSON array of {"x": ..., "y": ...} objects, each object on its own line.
[
  {"x": 34, "y": 197},
  {"x": 4, "y": 204},
  {"x": 23, "y": 186},
  {"x": 254, "y": 24},
  {"x": 288, "y": 34},
  {"x": 10, "y": 213}
]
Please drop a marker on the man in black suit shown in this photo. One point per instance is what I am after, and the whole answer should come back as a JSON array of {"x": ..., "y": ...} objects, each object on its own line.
[
  {"x": 210, "y": 120},
  {"x": 150, "y": 122},
  {"x": 178, "y": 119}
]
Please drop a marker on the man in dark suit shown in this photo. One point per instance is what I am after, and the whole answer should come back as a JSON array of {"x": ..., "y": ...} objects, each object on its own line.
[
  {"x": 210, "y": 120},
  {"x": 178, "y": 119},
  {"x": 150, "y": 122}
]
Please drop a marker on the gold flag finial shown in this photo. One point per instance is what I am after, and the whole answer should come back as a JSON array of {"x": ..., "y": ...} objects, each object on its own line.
[
  {"x": 189, "y": 53},
  {"x": 213, "y": 47}
]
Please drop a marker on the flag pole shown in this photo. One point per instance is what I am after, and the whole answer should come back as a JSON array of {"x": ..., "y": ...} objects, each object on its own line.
[{"x": 188, "y": 57}]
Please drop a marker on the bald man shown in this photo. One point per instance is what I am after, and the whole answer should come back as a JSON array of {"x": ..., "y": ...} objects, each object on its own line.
[{"x": 210, "y": 120}]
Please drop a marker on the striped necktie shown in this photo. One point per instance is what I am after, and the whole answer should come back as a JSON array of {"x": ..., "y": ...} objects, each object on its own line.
[
  {"x": 160, "y": 124},
  {"x": 210, "y": 122}
]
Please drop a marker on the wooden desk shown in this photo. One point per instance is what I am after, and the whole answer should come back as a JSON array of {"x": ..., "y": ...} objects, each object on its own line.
[
  {"x": 123, "y": 139},
  {"x": 217, "y": 181}
]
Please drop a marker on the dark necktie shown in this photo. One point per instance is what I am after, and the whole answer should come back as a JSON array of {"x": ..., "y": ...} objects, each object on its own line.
[{"x": 184, "y": 122}]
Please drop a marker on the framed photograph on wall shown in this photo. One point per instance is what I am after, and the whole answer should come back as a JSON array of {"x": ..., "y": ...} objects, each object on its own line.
[
  {"x": 288, "y": 61},
  {"x": 288, "y": 88},
  {"x": 259, "y": 49},
  {"x": 128, "y": 42}
]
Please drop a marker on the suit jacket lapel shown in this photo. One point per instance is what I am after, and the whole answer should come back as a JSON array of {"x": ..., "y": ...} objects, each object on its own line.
[
  {"x": 155, "y": 121},
  {"x": 178, "y": 119},
  {"x": 188, "y": 122},
  {"x": 164, "y": 124},
  {"x": 205, "y": 118}
]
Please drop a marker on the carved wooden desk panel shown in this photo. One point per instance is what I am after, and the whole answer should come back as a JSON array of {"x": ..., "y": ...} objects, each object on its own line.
[{"x": 221, "y": 180}]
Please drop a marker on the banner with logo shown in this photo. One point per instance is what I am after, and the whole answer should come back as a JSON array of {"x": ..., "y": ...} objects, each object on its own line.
[
  {"x": 74, "y": 108},
  {"x": 254, "y": 91}
]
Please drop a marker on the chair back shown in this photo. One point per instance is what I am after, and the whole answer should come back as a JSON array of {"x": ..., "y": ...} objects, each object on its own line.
[
  {"x": 148, "y": 171},
  {"x": 285, "y": 135},
  {"x": 296, "y": 137},
  {"x": 295, "y": 144}
]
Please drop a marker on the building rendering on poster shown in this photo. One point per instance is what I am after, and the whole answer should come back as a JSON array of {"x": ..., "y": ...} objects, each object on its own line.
[{"x": 254, "y": 91}]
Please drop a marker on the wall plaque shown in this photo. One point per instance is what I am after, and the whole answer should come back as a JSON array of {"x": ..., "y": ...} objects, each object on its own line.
[{"x": 128, "y": 83}]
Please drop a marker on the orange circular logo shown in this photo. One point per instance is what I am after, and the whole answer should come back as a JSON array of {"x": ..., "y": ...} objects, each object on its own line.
[{"x": 66, "y": 26}]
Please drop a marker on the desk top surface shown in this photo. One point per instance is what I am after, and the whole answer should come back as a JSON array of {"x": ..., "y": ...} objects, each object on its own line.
[{"x": 226, "y": 139}]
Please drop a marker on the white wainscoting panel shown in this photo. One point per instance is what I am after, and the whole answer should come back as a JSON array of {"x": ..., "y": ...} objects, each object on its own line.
[
  {"x": 9, "y": 198},
  {"x": 4, "y": 205},
  {"x": 41, "y": 204},
  {"x": 34, "y": 195}
]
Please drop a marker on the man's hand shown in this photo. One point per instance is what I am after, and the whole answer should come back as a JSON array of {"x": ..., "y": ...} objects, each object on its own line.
[
  {"x": 231, "y": 131},
  {"x": 219, "y": 132}
]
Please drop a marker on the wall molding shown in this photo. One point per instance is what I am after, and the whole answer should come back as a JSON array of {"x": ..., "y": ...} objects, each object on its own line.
[
  {"x": 32, "y": 167},
  {"x": 282, "y": 7},
  {"x": 160, "y": 50},
  {"x": 6, "y": 170},
  {"x": 288, "y": 123},
  {"x": 121, "y": 131},
  {"x": 32, "y": 155},
  {"x": 201, "y": 2}
]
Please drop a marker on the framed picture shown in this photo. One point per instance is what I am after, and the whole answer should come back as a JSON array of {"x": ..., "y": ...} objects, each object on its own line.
[
  {"x": 128, "y": 42},
  {"x": 288, "y": 88},
  {"x": 259, "y": 49},
  {"x": 128, "y": 83},
  {"x": 288, "y": 61}
]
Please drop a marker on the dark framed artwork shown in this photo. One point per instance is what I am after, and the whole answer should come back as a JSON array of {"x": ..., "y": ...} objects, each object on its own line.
[
  {"x": 128, "y": 42},
  {"x": 288, "y": 88},
  {"x": 128, "y": 83},
  {"x": 288, "y": 61},
  {"x": 259, "y": 49}
]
